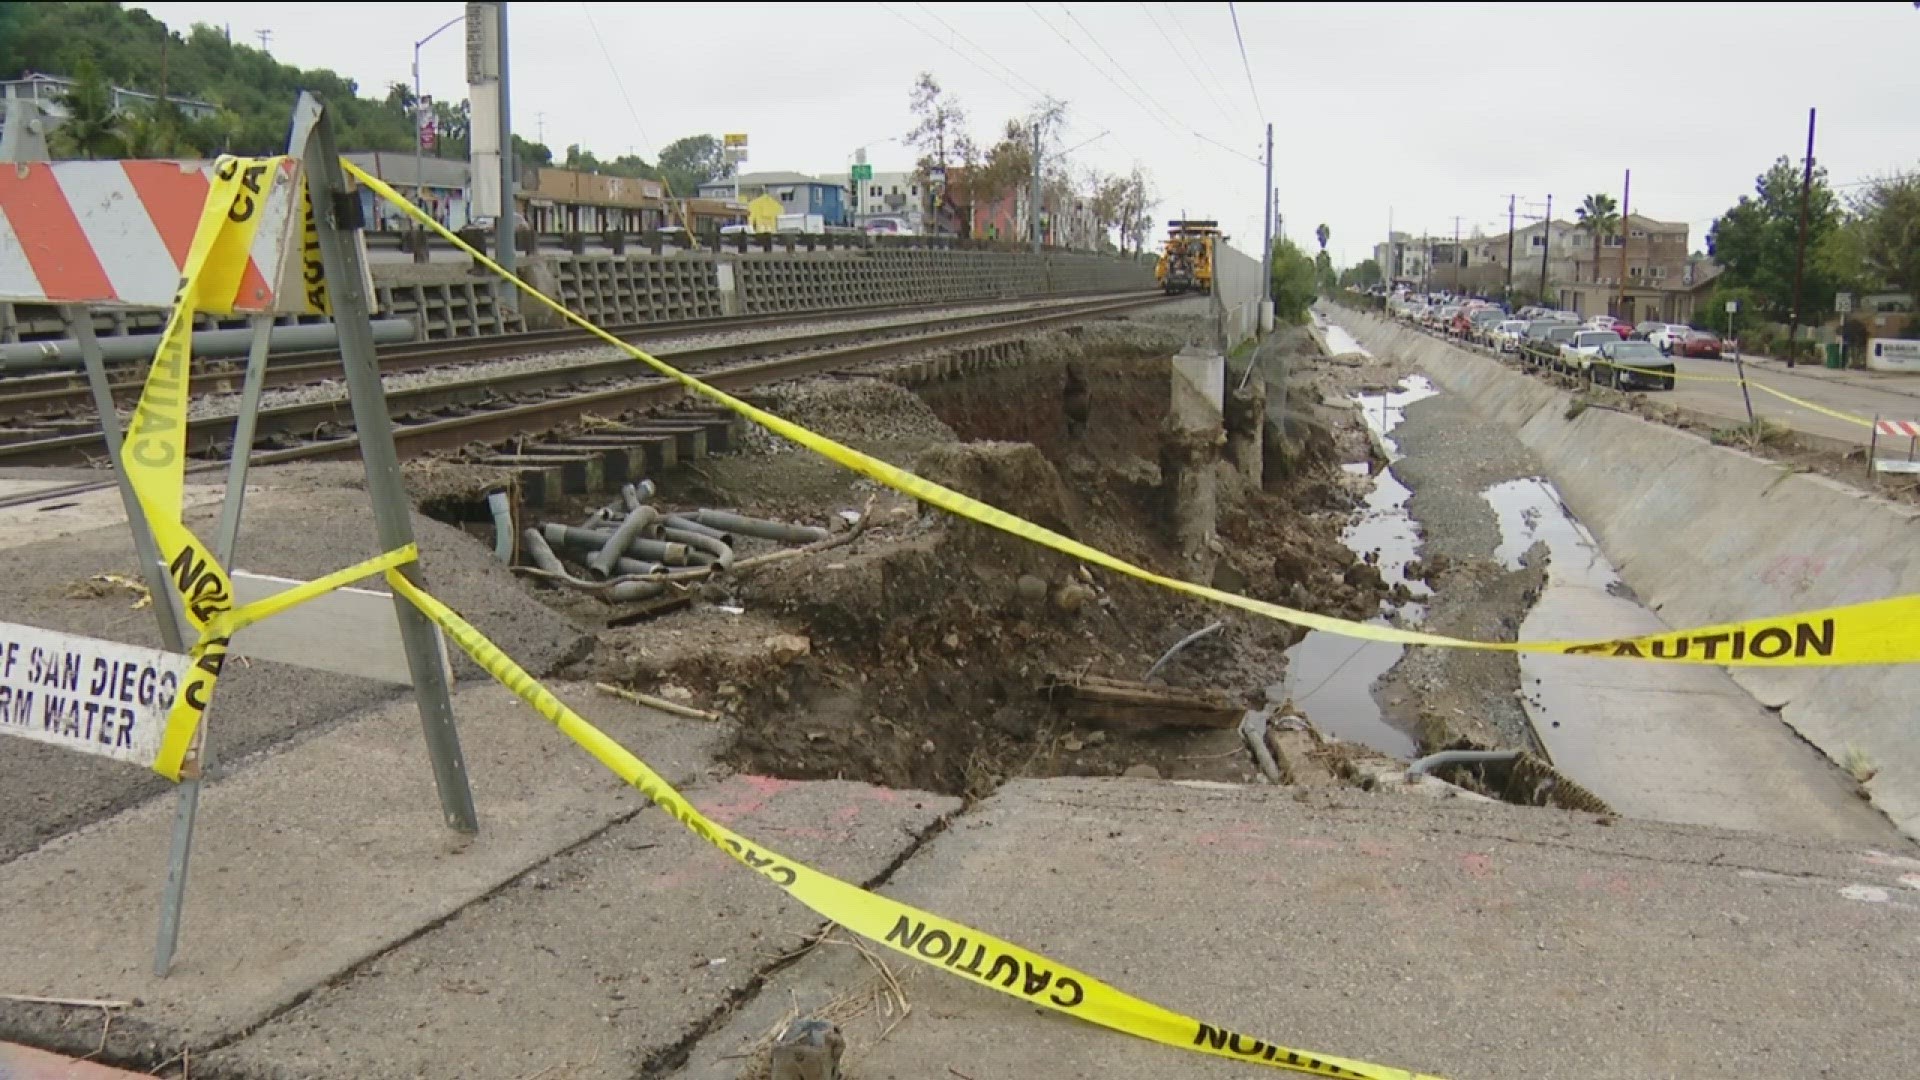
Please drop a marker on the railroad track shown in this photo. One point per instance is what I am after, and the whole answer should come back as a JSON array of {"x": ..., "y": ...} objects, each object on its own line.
[
  {"x": 31, "y": 404},
  {"x": 490, "y": 411}
]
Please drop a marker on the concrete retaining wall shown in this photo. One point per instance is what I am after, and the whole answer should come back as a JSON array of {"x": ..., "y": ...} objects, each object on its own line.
[
  {"x": 1707, "y": 534},
  {"x": 1236, "y": 276},
  {"x": 448, "y": 300}
]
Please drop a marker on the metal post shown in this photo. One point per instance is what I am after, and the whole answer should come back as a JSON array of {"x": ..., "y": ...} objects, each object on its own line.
[
  {"x": 243, "y": 427},
  {"x": 1740, "y": 369},
  {"x": 508, "y": 224},
  {"x": 1800, "y": 254},
  {"x": 1033, "y": 212},
  {"x": 1546, "y": 247},
  {"x": 1266, "y": 247},
  {"x": 391, "y": 509},
  {"x": 1508, "y": 295},
  {"x": 1626, "y": 235},
  {"x": 1873, "y": 444}
]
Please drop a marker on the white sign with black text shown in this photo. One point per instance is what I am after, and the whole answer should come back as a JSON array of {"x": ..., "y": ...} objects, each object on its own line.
[{"x": 96, "y": 697}]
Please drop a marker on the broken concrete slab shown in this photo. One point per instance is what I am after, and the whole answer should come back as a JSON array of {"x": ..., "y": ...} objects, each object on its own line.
[
  {"x": 303, "y": 529},
  {"x": 601, "y": 962},
  {"x": 307, "y": 863},
  {"x": 1461, "y": 940}
]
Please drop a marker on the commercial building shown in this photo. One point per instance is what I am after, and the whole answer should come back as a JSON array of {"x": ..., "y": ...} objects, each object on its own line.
[
  {"x": 1659, "y": 273},
  {"x": 898, "y": 195},
  {"x": 797, "y": 192}
]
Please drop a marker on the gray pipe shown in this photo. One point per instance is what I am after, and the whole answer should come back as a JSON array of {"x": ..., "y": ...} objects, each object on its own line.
[
  {"x": 634, "y": 496},
  {"x": 31, "y": 355},
  {"x": 761, "y": 528},
  {"x": 637, "y": 521},
  {"x": 502, "y": 509},
  {"x": 687, "y": 524},
  {"x": 591, "y": 540},
  {"x": 634, "y": 590},
  {"x": 1177, "y": 646},
  {"x": 1460, "y": 757},
  {"x": 1253, "y": 732},
  {"x": 539, "y": 553},
  {"x": 696, "y": 542}
]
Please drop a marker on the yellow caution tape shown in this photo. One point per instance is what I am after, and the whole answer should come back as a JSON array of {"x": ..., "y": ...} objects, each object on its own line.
[
  {"x": 1878, "y": 632},
  {"x": 177, "y": 738},
  {"x": 951, "y": 947},
  {"x": 154, "y": 452},
  {"x": 1822, "y": 409},
  {"x": 1756, "y": 384}
]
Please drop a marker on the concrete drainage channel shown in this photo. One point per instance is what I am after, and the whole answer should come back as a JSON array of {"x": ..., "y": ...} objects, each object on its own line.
[{"x": 1683, "y": 743}]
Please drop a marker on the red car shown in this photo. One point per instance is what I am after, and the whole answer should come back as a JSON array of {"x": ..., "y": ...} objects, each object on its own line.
[
  {"x": 1624, "y": 329},
  {"x": 1697, "y": 343}
]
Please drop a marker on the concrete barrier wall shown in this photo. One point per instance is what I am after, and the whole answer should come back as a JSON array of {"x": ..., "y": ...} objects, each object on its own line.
[
  {"x": 447, "y": 300},
  {"x": 1706, "y": 534},
  {"x": 1236, "y": 276}
]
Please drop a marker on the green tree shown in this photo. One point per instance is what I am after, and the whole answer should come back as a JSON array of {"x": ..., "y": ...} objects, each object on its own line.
[
  {"x": 1323, "y": 234},
  {"x": 1295, "y": 282},
  {"x": 687, "y": 163},
  {"x": 1599, "y": 216},
  {"x": 1756, "y": 240},
  {"x": 1324, "y": 277},
  {"x": 1364, "y": 276},
  {"x": 158, "y": 130},
  {"x": 92, "y": 128},
  {"x": 1888, "y": 223}
]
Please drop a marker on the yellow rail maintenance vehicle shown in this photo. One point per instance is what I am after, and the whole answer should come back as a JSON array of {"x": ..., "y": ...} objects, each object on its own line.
[{"x": 1186, "y": 259}]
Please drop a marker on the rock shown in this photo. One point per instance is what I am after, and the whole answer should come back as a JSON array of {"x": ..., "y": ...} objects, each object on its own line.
[
  {"x": 1142, "y": 771},
  {"x": 1071, "y": 597},
  {"x": 1097, "y": 738},
  {"x": 677, "y": 693},
  {"x": 787, "y": 648},
  {"x": 1030, "y": 587},
  {"x": 1364, "y": 575},
  {"x": 951, "y": 641}
]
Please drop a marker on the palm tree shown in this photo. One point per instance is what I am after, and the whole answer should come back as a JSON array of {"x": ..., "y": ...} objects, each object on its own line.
[
  {"x": 1600, "y": 216},
  {"x": 1323, "y": 234},
  {"x": 92, "y": 129}
]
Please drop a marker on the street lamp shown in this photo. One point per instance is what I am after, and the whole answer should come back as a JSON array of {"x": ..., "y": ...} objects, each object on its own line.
[{"x": 418, "y": 150}]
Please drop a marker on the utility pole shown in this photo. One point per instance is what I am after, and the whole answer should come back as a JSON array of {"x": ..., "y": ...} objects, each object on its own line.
[
  {"x": 508, "y": 223},
  {"x": 1546, "y": 246},
  {"x": 1266, "y": 248},
  {"x": 1033, "y": 212},
  {"x": 265, "y": 36},
  {"x": 1800, "y": 256},
  {"x": 1626, "y": 234},
  {"x": 1508, "y": 296},
  {"x": 1455, "y": 260},
  {"x": 1426, "y": 262}
]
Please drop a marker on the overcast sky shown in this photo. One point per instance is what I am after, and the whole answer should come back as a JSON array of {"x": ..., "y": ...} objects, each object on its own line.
[{"x": 1432, "y": 110}]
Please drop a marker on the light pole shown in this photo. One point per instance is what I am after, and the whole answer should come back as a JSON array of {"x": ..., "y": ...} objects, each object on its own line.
[{"x": 419, "y": 181}]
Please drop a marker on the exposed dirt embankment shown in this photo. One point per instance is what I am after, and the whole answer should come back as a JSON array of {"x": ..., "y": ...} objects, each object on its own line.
[{"x": 920, "y": 653}]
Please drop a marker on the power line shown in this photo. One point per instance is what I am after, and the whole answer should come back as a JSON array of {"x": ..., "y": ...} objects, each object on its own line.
[
  {"x": 587, "y": 10},
  {"x": 1103, "y": 71},
  {"x": 1212, "y": 96},
  {"x": 1201, "y": 57},
  {"x": 1117, "y": 64},
  {"x": 1242, "y": 42}
]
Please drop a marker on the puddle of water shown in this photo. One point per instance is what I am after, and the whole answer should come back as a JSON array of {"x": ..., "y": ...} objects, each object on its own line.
[
  {"x": 1341, "y": 342},
  {"x": 1531, "y": 511},
  {"x": 1331, "y": 677},
  {"x": 1384, "y": 412}
]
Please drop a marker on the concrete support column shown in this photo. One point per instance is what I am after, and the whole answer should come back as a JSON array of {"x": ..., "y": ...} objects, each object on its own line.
[
  {"x": 1189, "y": 451},
  {"x": 1246, "y": 415},
  {"x": 727, "y": 272}
]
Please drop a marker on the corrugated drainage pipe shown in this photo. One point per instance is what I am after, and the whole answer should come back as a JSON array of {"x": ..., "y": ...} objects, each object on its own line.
[
  {"x": 761, "y": 528},
  {"x": 1461, "y": 757},
  {"x": 638, "y": 520},
  {"x": 722, "y": 554},
  {"x": 502, "y": 509}
]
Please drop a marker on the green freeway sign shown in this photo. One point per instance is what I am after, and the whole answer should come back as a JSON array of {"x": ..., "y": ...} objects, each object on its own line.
[{"x": 863, "y": 172}]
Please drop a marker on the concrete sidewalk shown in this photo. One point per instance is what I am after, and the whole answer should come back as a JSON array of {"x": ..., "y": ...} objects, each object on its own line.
[{"x": 1473, "y": 942}]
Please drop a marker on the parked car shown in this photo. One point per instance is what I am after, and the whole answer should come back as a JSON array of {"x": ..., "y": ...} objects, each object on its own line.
[
  {"x": 1663, "y": 337},
  {"x": 1506, "y": 334},
  {"x": 1697, "y": 343},
  {"x": 1577, "y": 352},
  {"x": 1639, "y": 362},
  {"x": 1480, "y": 329},
  {"x": 1641, "y": 331},
  {"x": 1542, "y": 345}
]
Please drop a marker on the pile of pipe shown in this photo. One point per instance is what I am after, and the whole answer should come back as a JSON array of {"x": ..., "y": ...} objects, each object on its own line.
[{"x": 633, "y": 551}]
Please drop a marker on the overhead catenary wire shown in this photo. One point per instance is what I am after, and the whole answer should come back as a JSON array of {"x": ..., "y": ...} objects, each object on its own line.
[
  {"x": 1242, "y": 42},
  {"x": 1213, "y": 96},
  {"x": 1218, "y": 79}
]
